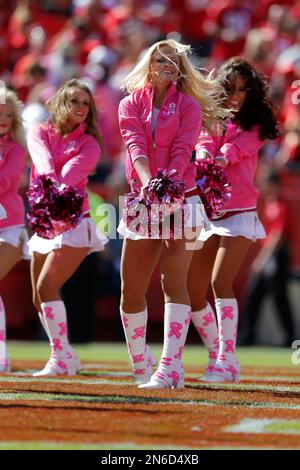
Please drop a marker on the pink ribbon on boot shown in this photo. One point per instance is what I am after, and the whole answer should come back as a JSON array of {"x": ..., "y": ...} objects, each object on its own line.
[
  {"x": 175, "y": 376},
  {"x": 227, "y": 313},
  {"x": 63, "y": 329},
  {"x": 138, "y": 358},
  {"x": 229, "y": 345},
  {"x": 57, "y": 345},
  {"x": 175, "y": 328},
  {"x": 139, "y": 332},
  {"x": 208, "y": 318},
  {"x": 48, "y": 313}
]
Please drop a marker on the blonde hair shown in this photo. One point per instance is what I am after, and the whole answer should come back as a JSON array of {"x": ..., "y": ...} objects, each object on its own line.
[
  {"x": 206, "y": 90},
  {"x": 57, "y": 105},
  {"x": 17, "y": 130}
]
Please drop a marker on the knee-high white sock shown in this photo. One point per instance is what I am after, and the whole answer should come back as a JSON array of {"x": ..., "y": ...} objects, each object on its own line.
[
  {"x": 55, "y": 318},
  {"x": 3, "y": 352},
  {"x": 176, "y": 324},
  {"x": 206, "y": 324},
  {"x": 135, "y": 326},
  {"x": 227, "y": 313}
]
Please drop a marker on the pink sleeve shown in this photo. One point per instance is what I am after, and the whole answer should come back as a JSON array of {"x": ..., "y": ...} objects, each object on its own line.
[
  {"x": 38, "y": 146},
  {"x": 81, "y": 165},
  {"x": 207, "y": 143},
  {"x": 132, "y": 130},
  {"x": 186, "y": 137},
  {"x": 244, "y": 144},
  {"x": 13, "y": 167}
]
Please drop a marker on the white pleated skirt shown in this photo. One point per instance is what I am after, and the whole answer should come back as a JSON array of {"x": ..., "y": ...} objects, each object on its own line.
[
  {"x": 245, "y": 224},
  {"x": 85, "y": 235},
  {"x": 14, "y": 236}
]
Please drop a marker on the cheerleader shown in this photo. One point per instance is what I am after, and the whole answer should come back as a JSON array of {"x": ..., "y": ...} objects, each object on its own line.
[
  {"x": 13, "y": 235},
  {"x": 160, "y": 121},
  {"x": 66, "y": 149},
  {"x": 233, "y": 230}
]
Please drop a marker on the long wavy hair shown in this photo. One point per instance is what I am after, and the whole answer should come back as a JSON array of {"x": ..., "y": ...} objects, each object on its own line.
[
  {"x": 57, "y": 106},
  {"x": 257, "y": 108},
  {"x": 17, "y": 130},
  {"x": 206, "y": 90}
]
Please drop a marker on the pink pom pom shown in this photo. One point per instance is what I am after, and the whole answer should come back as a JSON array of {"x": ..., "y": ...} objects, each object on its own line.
[
  {"x": 213, "y": 185},
  {"x": 164, "y": 195},
  {"x": 53, "y": 210}
]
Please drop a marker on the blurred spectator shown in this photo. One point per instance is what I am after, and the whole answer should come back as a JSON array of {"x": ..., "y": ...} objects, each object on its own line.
[{"x": 270, "y": 269}]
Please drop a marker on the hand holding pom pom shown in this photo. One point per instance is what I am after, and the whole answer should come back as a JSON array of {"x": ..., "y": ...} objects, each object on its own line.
[
  {"x": 164, "y": 195},
  {"x": 213, "y": 185},
  {"x": 53, "y": 209}
]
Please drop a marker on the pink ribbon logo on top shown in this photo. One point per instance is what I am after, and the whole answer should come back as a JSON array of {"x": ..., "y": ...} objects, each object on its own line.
[
  {"x": 174, "y": 376},
  {"x": 229, "y": 345},
  {"x": 125, "y": 321},
  {"x": 179, "y": 354},
  {"x": 208, "y": 318},
  {"x": 138, "y": 358},
  {"x": 227, "y": 313},
  {"x": 139, "y": 332},
  {"x": 48, "y": 313},
  {"x": 57, "y": 345},
  {"x": 63, "y": 329},
  {"x": 175, "y": 328}
]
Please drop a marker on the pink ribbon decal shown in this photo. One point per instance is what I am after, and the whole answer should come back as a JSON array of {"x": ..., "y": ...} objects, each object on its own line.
[
  {"x": 208, "y": 318},
  {"x": 125, "y": 321},
  {"x": 227, "y": 313},
  {"x": 139, "y": 371},
  {"x": 139, "y": 332},
  {"x": 188, "y": 320},
  {"x": 216, "y": 343},
  {"x": 160, "y": 375},
  {"x": 57, "y": 345},
  {"x": 63, "y": 329},
  {"x": 179, "y": 354},
  {"x": 229, "y": 345},
  {"x": 166, "y": 361},
  {"x": 174, "y": 376},
  {"x": 175, "y": 328},
  {"x": 62, "y": 365},
  {"x": 48, "y": 313},
  {"x": 210, "y": 368},
  {"x": 201, "y": 332},
  {"x": 69, "y": 355},
  {"x": 232, "y": 370},
  {"x": 2, "y": 335},
  {"x": 222, "y": 357},
  {"x": 212, "y": 355},
  {"x": 138, "y": 358}
]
